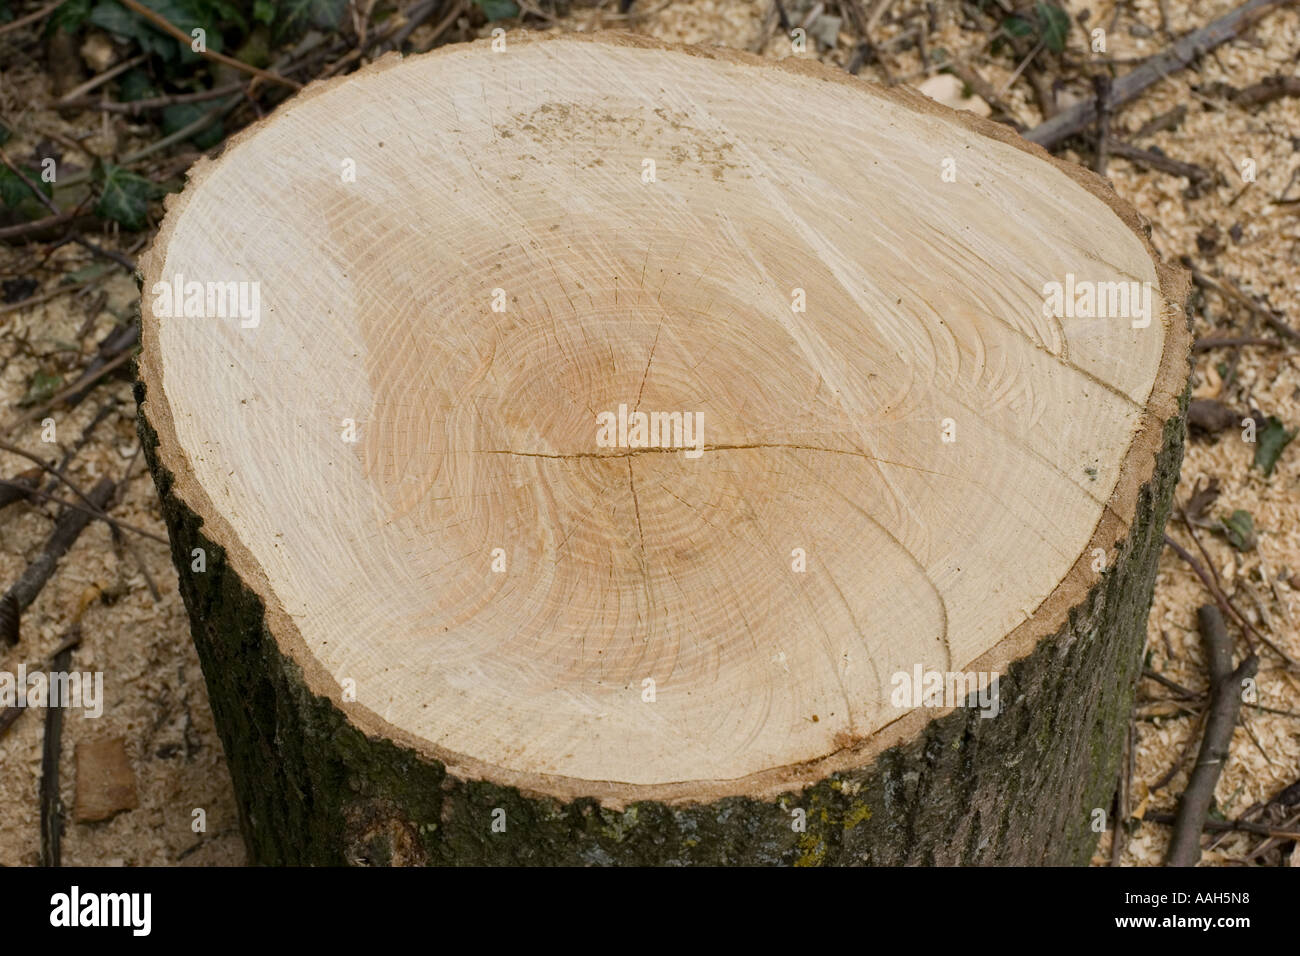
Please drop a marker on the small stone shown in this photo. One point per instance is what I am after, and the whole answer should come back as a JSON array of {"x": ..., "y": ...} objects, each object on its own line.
[
  {"x": 105, "y": 780},
  {"x": 948, "y": 89}
]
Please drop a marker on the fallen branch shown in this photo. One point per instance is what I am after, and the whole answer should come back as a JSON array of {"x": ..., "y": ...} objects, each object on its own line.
[
  {"x": 49, "y": 204},
  {"x": 99, "y": 515},
  {"x": 1228, "y": 290},
  {"x": 1226, "y": 605},
  {"x": 1228, "y": 826},
  {"x": 95, "y": 82},
  {"x": 136, "y": 107},
  {"x": 12, "y": 713},
  {"x": 66, "y": 531},
  {"x": 24, "y": 229},
  {"x": 1225, "y": 708},
  {"x": 984, "y": 90},
  {"x": 1266, "y": 91},
  {"x": 1101, "y": 85},
  {"x": 20, "y": 487},
  {"x": 1234, "y": 341},
  {"x": 51, "y": 750},
  {"x": 1126, "y": 89},
  {"x": 1158, "y": 124},
  {"x": 1194, "y": 174},
  {"x": 117, "y": 348},
  {"x": 34, "y": 17}
]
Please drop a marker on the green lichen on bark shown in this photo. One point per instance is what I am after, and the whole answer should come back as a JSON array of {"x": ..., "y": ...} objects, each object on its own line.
[{"x": 1019, "y": 788}]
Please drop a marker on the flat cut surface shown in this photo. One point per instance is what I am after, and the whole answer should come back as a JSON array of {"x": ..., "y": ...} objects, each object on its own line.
[{"x": 477, "y": 429}]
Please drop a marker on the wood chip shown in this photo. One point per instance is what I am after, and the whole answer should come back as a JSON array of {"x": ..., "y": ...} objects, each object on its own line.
[{"x": 105, "y": 780}]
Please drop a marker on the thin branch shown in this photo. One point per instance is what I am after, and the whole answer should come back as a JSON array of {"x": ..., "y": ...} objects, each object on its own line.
[
  {"x": 1151, "y": 71},
  {"x": 35, "y": 17},
  {"x": 51, "y": 751},
  {"x": 1234, "y": 341},
  {"x": 135, "y": 107},
  {"x": 12, "y": 713},
  {"x": 107, "y": 519},
  {"x": 1228, "y": 290},
  {"x": 70, "y": 98},
  {"x": 24, "y": 591},
  {"x": 1225, "y": 708},
  {"x": 1225, "y": 826},
  {"x": 1226, "y": 605}
]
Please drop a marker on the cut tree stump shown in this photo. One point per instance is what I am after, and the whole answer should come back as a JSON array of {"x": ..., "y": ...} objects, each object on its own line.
[{"x": 867, "y": 584}]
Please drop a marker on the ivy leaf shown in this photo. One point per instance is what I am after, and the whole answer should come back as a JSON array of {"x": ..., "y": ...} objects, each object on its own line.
[
  {"x": 1016, "y": 26},
  {"x": 135, "y": 85},
  {"x": 1269, "y": 442},
  {"x": 117, "y": 19},
  {"x": 296, "y": 16},
  {"x": 70, "y": 15},
  {"x": 219, "y": 11},
  {"x": 179, "y": 115},
  {"x": 124, "y": 196},
  {"x": 185, "y": 15},
  {"x": 13, "y": 191},
  {"x": 498, "y": 9},
  {"x": 1239, "y": 528},
  {"x": 1053, "y": 24},
  {"x": 40, "y": 388},
  {"x": 191, "y": 15}
]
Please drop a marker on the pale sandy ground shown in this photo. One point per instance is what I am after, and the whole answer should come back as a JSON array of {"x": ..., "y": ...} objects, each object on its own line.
[{"x": 156, "y": 699}]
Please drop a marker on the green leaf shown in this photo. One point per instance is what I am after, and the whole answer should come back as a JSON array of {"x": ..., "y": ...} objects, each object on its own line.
[
  {"x": 1239, "y": 528},
  {"x": 1269, "y": 442},
  {"x": 70, "y": 15},
  {"x": 179, "y": 115},
  {"x": 185, "y": 15},
  {"x": 191, "y": 15},
  {"x": 92, "y": 271},
  {"x": 219, "y": 11},
  {"x": 13, "y": 191},
  {"x": 136, "y": 85},
  {"x": 124, "y": 196},
  {"x": 264, "y": 11},
  {"x": 1016, "y": 26},
  {"x": 40, "y": 388},
  {"x": 498, "y": 9},
  {"x": 1053, "y": 25},
  {"x": 296, "y": 16},
  {"x": 117, "y": 19}
]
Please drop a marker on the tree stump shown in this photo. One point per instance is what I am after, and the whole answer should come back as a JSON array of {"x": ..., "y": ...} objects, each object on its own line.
[{"x": 597, "y": 451}]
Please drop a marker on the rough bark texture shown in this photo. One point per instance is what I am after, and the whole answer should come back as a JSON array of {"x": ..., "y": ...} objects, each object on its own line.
[{"x": 1020, "y": 788}]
